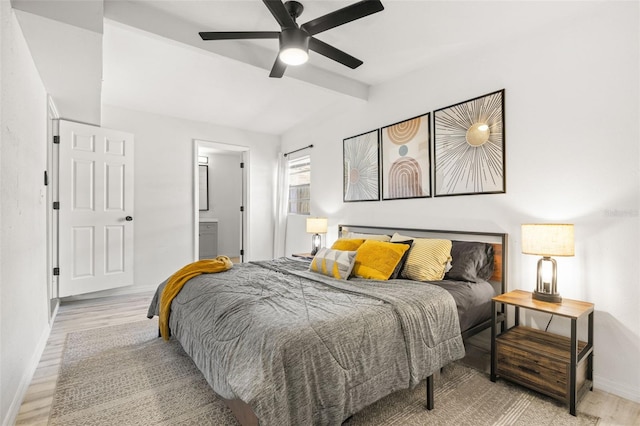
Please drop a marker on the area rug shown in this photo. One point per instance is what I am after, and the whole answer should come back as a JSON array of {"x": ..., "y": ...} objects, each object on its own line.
[{"x": 126, "y": 375}]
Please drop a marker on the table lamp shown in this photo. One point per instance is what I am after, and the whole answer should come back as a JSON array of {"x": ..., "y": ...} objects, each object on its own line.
[
  {"x": 546, "y": 240},
  {"x": 316, "y": 226}
]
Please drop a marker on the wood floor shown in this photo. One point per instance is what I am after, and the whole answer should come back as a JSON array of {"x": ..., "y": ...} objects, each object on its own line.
[
  {"x": 74, "y": 316},
  {"x": 94, "y": 313}
]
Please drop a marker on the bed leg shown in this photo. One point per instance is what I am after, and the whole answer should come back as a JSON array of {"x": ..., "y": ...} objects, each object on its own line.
[{"x": 430, "y": 392}]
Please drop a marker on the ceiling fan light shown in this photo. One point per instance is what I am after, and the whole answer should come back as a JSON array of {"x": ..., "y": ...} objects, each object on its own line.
[
  {"x": 293, "y": 56},
  {"x": 294, "y": 46}
]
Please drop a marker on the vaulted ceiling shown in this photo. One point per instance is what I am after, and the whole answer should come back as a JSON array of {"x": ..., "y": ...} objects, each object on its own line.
[{"x": 146, "y": 54}]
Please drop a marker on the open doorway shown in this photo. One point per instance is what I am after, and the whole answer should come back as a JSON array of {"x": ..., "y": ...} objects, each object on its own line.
[{"x": 220, "y": 207}]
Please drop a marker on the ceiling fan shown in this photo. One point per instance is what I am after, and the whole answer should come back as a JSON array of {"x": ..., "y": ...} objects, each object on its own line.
[{"x": 296, "y": 40}]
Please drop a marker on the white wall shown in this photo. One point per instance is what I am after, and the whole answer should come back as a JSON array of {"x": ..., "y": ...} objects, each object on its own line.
[
  {"x": 164, "y": 218},
  {"x": 572, "y": 154},
  {"x": 76, "y": 86},
  {"x": 24, "y": 325}
]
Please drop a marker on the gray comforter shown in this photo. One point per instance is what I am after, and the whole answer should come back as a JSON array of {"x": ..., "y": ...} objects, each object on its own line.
[{"x": 301, "y": 348}]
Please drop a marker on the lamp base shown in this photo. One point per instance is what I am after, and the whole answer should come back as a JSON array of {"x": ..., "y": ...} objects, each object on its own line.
[
  {"x": 546, "y": 297},
  {"x": 315, "y": 244}
]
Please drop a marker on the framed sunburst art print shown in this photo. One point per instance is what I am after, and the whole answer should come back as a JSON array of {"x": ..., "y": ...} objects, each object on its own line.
[
  {"x": 469, "y": 147},
  {"x": 406, "y": 159},
  {"x": 361, "y": 167}
]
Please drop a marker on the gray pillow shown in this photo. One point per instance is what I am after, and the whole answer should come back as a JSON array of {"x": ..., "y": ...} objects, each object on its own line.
[
  {"x": 396, "y": 272},
  {"x": 472, "y": 261}
]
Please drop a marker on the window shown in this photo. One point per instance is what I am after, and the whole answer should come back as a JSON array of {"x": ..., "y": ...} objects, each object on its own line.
[{"x": 300, "y": 185}]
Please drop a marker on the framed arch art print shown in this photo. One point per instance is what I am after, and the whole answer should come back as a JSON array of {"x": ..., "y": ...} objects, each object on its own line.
[
  {"x": 406, "y": 159},
  {"x": 469, "y": 147},
  {"x": 361, "y": 167}
]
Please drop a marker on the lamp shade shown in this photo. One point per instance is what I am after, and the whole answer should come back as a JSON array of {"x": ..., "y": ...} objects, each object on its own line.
[
  {"x": 317, "y": 225},
  {"x": 547, "y": 239}
]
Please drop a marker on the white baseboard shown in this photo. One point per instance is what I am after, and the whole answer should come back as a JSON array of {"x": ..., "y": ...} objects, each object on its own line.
[
  {"x": 54, "y": 314},
  {"x": 25, "y": 381},
  {"x": 614, "y": 388}
]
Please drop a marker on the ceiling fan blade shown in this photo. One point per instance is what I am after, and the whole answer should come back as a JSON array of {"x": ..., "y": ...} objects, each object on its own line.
[
  {"x": 238, "y": 35},
  {"x": 342, "y": 16},
  {"x": 332, "y": 53},
  {"x": 277, "y": 71},
  {"x": 277, "y": 9}
]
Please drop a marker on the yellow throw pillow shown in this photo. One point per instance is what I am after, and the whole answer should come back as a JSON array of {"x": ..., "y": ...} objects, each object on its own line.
[
  {"x": 333, "y": 263},
  {"x": 427, "y": 259},
  {"x": 377, "y": 259},
  {"x": 348, "y": 244}
]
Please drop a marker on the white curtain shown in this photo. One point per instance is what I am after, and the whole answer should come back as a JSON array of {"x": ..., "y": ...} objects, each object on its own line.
[{"x": 282, "y": 207}]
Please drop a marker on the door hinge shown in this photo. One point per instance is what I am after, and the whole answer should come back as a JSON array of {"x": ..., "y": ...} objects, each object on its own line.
[
  {"x": 242, "y": 165},
  {"x": 56, "y": 271},
  {"x": 241, "y": 208},
  {"x": 241, "y": 252},
  {"x": 46, "y": 178},
  {"x": 56, "y": 139},
  {"x": 56, "y": 205}
]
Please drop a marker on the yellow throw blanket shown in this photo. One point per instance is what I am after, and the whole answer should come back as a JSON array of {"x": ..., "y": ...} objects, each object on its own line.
[{"x": 180, "y": 278}]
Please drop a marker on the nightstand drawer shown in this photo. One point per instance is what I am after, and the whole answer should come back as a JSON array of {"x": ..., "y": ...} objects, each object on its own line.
[
  {"x": 541, "y": 374},
  {"x": 537, "y": 360}
]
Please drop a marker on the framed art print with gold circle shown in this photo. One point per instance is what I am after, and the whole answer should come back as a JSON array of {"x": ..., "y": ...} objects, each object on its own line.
[{"x": 469, "y": 147}]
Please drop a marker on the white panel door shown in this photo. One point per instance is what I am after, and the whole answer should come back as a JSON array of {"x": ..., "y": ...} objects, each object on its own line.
[{"x": 96, "y": 208}]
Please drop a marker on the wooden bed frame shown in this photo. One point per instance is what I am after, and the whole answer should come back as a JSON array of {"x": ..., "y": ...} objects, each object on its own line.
[{"x": 243, "y": 411}]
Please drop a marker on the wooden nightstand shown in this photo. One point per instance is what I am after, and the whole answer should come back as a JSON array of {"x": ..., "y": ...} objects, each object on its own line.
[{"x": 557, "y": 366}]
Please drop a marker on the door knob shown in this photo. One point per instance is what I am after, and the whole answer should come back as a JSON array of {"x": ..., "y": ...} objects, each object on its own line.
[{"x": 128, "y": 218}]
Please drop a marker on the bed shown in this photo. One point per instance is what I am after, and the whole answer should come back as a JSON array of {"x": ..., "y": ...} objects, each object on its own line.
[{"x": 283, "y": 343}]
